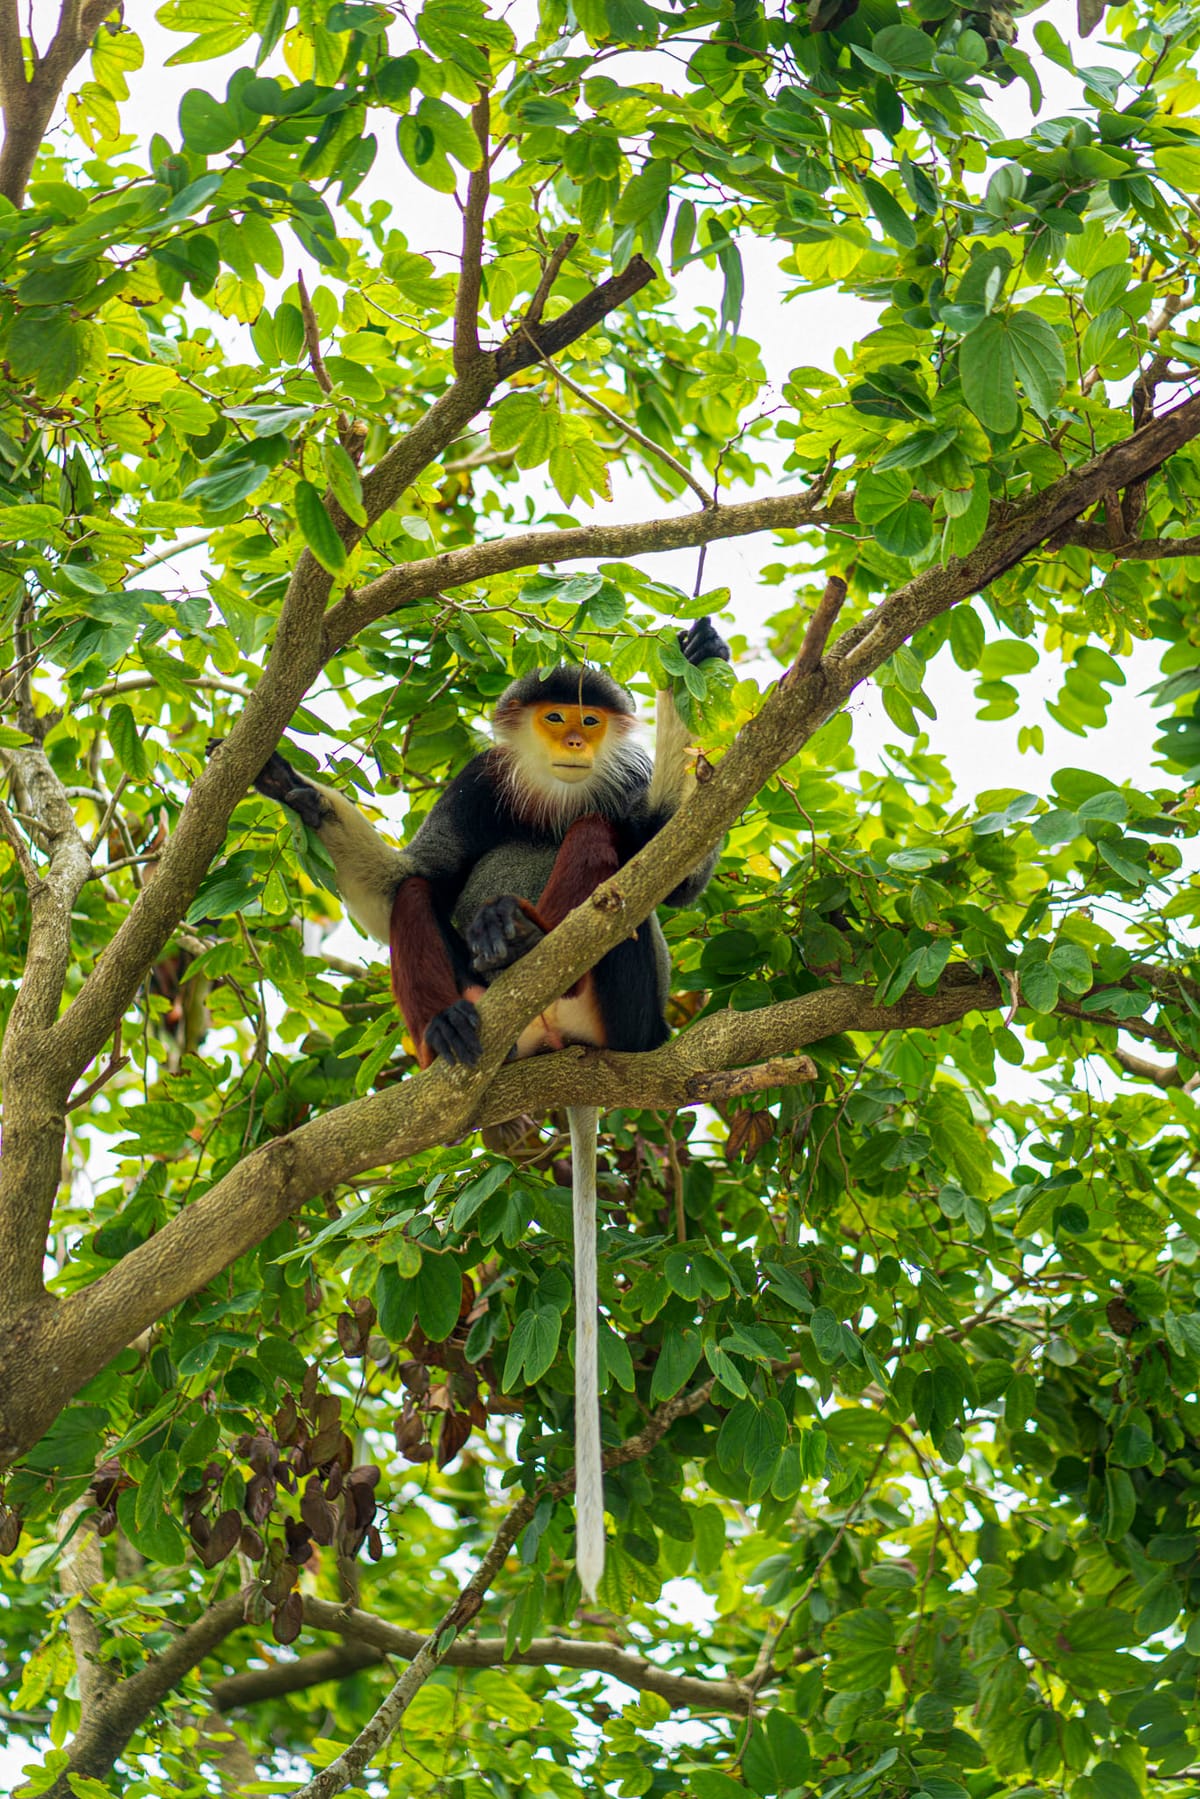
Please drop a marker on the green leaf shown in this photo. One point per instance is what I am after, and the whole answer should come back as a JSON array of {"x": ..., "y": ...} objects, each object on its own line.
[
  {"x": 891, "y": 215},
  {"x": 711, "y": 1783},
  {"x": 344, "y": 482},
  {"x": 452, "y": 133},
  {"x": 827, "y": 1334},
  {"x": 50, "y": 347},
  {"x": 862, "y": 1651},
  {"x": 883, "y": 501},
  {"x": 438, "y": 1291},
  {"x": 318, "y": 529},
  {"x": 395, "y": 1302},
  {"x": 1038, "y": 358},
  {"x": 678, "y": 1358},
  {"x": 988, "y": 372},
  {"x": 532, "y": 1346},
  {"x": 1111, "y": 1781},
  {"x": 205, "y": 125},
  {"x": 1039, "y": 987},
  {"x": 476, "y": 1192},
  {"x": 1072, "y": 967},
  {"x": 127, "y": 745}
]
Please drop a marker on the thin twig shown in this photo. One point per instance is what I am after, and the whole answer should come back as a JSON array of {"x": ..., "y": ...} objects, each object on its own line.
[
  {"x": 312, "y": 336},
  {"x": 109, "y": 811},
  {"x": 8, "y": 825},
  {"x": 545, "y": 286},
  {"x": 817, "y": 635},
  {"x": 766, "y": 1654},
  {"x": 350, "y": 438},
  {"x": 179, "y": 548},
  {"x": 143, "y": 683},
  {"x": 614, "y": 418},
  {"x": 470, "y": 281},
  {"x": 114, "y": 1065}
]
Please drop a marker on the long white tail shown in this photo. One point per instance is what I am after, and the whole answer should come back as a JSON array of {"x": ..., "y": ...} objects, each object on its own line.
[{"x": 589, "y": 1474}]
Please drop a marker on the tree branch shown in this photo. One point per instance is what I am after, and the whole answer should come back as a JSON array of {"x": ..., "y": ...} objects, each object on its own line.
[
  {"x": 545, "y": 286},
  {"x": 35, "y": 1081},
  {"x": 82, "y": 1571},
  {"x": 101, "y": 1738},
  {"x": 435, "y": 1648},
  {"x": 1139, "y": 1069},
  {"x": 525, "y": 347},
  {"x": 372, "y": 1640},
  {"x": 820, "y": 625},
  {"x": 626, "y": 429},
  {"x": 470, "y": 280},
  {"x": 412, "y": 581},
  {"x": 441, "y": 1103},
  {"x": 1146, "y": 549},
  {"x": 27, "y": 104}
]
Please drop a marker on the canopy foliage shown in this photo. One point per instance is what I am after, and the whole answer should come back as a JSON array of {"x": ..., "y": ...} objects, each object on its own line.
[{"x": 902, "y": 1343}]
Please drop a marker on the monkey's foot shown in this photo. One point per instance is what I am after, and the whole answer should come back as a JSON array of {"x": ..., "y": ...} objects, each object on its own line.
[
  {"x": 701, "y": 641},
  {"x": 454, "y": 1034},
  {"x": 501, "y": 933}
]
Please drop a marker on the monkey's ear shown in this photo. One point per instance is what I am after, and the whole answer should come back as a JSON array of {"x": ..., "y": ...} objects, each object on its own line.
[{"x": 702, "y": 641}]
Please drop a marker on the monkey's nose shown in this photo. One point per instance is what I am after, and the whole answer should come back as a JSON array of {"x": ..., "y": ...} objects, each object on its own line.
[{"x": 574, "y": 740}]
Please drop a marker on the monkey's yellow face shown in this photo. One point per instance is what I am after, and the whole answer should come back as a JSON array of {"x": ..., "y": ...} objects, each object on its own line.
[{"x": 569, "y": 738}]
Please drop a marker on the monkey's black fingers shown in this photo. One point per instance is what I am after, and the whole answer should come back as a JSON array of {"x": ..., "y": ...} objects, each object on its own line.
[
  {"x": 702, "y": 641},
  {"x": 306, "y": 801},
  {"x": 276, "y": 778},
  {"x": 454, "y": 1034},
  {"x": 501, "y": 933}
]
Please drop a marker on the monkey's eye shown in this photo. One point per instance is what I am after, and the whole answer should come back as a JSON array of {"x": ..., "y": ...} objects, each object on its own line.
[
  {"x": 554, "y": 718},
  {"x": 590, "y": 719}
]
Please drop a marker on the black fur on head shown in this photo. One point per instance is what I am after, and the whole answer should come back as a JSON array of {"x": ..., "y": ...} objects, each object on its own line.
[{"x": 563, "y": 686}]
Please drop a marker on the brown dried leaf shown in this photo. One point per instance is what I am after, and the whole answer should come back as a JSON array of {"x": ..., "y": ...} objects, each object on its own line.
[
  {"x": 317, "y": 1512},
  {"x": 748, "y": 1133},
  {"x": 224, "y": 1538},
  {"x": 260, "y": 1497},
  {"x": 456, "y": 1428},
  {"x": 288, "y": 1619}
]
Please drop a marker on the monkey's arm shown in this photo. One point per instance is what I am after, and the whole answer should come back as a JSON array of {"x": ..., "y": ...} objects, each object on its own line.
[
  {"x": 674, "y": 768},
  {"x": 392, "y": 893},
  {"x": 366, "y": 867},
  {"x": 507, "y": 928}
]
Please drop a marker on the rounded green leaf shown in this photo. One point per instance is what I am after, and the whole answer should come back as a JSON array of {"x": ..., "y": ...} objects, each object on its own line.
[{"x": 206, "y": 125}]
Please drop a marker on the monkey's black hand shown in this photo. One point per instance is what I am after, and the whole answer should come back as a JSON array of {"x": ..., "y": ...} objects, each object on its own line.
[
  {"x": 701, "y": 641},
  {"x": 454, "y": 1034},
  {"x": 501, "y": 933},
  {"x": 279, "y": 781}
]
